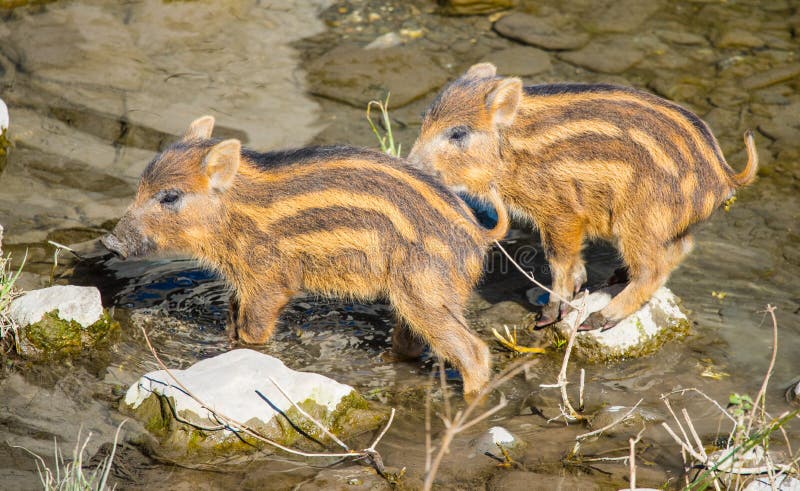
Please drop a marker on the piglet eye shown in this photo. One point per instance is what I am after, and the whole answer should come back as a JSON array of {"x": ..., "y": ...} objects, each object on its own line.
[
  {"x": 458, "y": 134},
  {"x": 168, "y": 197}
]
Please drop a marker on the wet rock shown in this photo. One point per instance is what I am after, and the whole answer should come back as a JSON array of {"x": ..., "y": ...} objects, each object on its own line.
[
  {"x": 356, "y": 76},
  {"x": 682, "y": 37},
  {"x": 520, "y": 61},
  {"x": 771, "y": 76},
  {"x": 80, "y": 304},
  {"x": 781, "y": 483},
  {"x": 475, "y": 7},
  {"x": 641, "y": 333},
  {"x": 630, "y": 425},
  {"x": 231, "y": 383},
  {"x": 388, "y": 40},
  {"x": 793, "y": 393},
  {"x": 515, "y": 480},
  {"x": 61, "y": 320},
  {"x": 622, "y": 16},
  {"x": 492, "y": 439},
  {"x": 613, "y": 55},
  {"x": 738, "y": 38},
  {"x": 555, "y": 32}
]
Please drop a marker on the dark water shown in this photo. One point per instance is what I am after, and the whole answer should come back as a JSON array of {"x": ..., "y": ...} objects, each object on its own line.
[{"x": 83, "y": 132}]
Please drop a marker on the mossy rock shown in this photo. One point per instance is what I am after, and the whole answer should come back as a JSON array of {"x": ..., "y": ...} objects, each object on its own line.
[
  {"x": 236, "y": 384},
  {"x": 641, "y": 334},
  {"x": 53, "y": 337},
  {"x": 187, "y": 437}
]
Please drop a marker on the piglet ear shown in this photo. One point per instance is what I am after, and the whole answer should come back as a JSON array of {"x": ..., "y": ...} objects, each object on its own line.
[
  {"x": 503, "y": 101},
  {"x": 221, "y": 164},
  {"x": 481, "y": 70},
  {"x": 200, "y": 129}
]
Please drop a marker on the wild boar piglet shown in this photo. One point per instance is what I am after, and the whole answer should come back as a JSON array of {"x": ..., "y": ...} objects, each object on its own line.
[
  {"x": 339, "y": 221},
  {"x": 583, "y": 161}
]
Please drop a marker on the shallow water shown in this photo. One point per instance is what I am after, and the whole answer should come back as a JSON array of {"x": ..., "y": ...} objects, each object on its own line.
[{"x": 89, "y": 111}]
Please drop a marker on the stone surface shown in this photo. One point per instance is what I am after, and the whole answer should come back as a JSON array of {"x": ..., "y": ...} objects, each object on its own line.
[
  {"x": 613, "y": 55},
  {"x": 356, "y": 76},
  {"x": 73, "y": 303},
  {"x": 520, "y": 61},
  {"x": 496, "y": 435},
  {"x": 230, "y": 383},
  {"x": 681, "y": 37},
  {"x": 104, "y": 85},
  {"x": 738, "y": 38},
  {"x": 622, "y": 15},
  {"x": 771, "y": 76},
  {"x": 793, "y": 393},
  {"x": 388, "y": 40},
  {"x": 782, "y": 483},
  {"x": 475, "y": 7},
  {"x": 556, "y": 32},
  {"x": 641, "y": 333}
]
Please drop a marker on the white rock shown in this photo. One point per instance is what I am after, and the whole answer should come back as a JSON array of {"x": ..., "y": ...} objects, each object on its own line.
[
  {"x": 388, "y": 40},
  {"x": 489, "y": 441},
  {"x": 228, "y": 383},
  {"x": 3, "y": 116},
  {"x": 661, "y": 313},
  {"x": 81, "y": 304}
]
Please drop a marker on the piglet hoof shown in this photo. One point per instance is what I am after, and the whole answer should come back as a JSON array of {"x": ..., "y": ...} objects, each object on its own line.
[
  {"x": 549, "y": 315},
  {"x": 596, "y": 321}
]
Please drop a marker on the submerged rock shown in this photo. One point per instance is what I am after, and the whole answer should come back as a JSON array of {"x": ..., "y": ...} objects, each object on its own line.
[
  {"x": 793, "y": 393},
  {"x": 494, "y": 438},
  {"x": 236, "y": 385},
  {"x": 61, "y": 320},
  {"x": 612, "y": 55},
  {"x": 475, "y": 7},
  {"x": 553, "y": 32},
  {"x": 520, "y": 61},
  {"x": 641, "y": 333},
  {"x": 356, "y": 76}
]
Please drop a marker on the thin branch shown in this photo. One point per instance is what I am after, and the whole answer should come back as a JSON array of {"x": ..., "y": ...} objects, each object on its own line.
[
  {"x": 308, "y": 416},
  {"x": 762, "y": 392},
  {"x": 530, "y": 276}
]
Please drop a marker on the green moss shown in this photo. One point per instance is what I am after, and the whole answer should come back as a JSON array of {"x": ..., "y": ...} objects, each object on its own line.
[
  {"x": 587, "y": 348},
  {"x": 192, "y": 442},
  {"x": 53, "y": 337}
]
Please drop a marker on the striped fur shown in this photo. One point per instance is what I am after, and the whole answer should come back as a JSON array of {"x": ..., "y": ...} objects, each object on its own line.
[
  {"x": 584, "y": 160},
  {"x": 339, "y": 221}
]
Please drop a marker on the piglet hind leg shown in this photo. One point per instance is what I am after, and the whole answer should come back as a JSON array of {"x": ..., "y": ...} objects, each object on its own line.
[
  {"x": 437, "y": 317},
  {"x": 649, "y": 267}
]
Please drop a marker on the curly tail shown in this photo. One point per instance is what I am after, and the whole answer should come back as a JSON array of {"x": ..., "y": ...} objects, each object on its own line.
[
  {"x": 748, "y": 175},
  {"x": 501, "y": 228}
]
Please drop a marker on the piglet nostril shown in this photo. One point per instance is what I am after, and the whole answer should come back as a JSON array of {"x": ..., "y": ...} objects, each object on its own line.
[{"x": 113, "y": 244}]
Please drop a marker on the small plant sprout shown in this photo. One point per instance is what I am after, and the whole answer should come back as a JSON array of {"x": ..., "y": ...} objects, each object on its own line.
[{"x": 386, "y": 140}]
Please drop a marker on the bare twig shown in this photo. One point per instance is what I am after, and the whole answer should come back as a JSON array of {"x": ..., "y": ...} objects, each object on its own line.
[
  {"x": 463, "y": 419},
  {"x": 568, "y": 412},
  {"x": 760, "y": 399},
  {"x": 530, "y": 276},
  {"x": 308, "y": 416}
]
